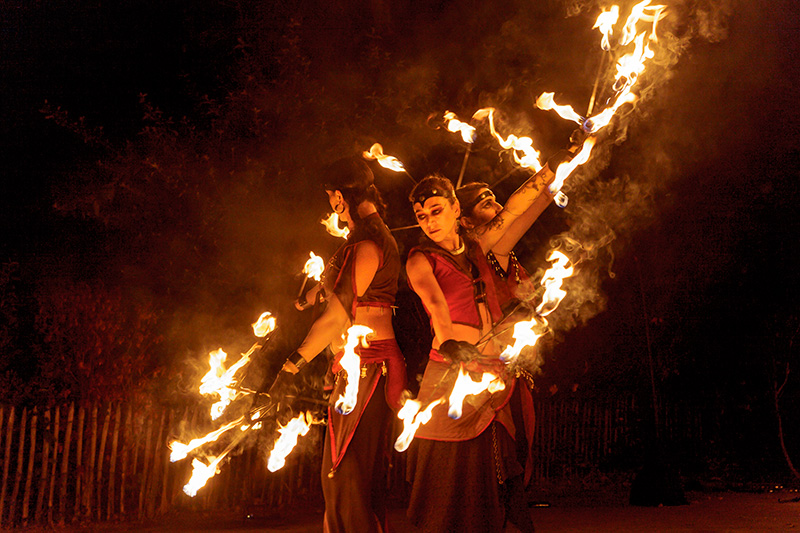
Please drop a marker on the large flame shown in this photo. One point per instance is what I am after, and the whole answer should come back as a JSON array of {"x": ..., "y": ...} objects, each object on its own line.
[
  {"x": 552, "y": 280},
  {"x": 265, "y": 325},
  {"x": 314, "y": 267},
  {"x": 351, "y": 363},
  {"x": 220, "y": 381},
  {"x": 201, "y": 473},
  {"x": 386, "y": 161},
  {"x": 181, "y": 450},
  {"x": 526, "y": 333},
  {"x": 566, "y": 168},
  {"x": 605, "y": 22},
  {"x": 297, "y": 426},
  {"x": 465, "y": 386},
  {"x": 332, "y": 226},
  {"x": 454, "y": 125},
  {"x": 412, "y": 419},
  {"x": 525, "y": 154}
]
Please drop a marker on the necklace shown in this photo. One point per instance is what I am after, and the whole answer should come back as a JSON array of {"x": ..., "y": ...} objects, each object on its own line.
[{"x": 460, "y": 249}]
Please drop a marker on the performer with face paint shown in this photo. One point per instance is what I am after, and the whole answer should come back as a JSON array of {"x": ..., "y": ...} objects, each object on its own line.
[
  {"x": 461, "y": 469},
  {"x": 365, "y": 273}
]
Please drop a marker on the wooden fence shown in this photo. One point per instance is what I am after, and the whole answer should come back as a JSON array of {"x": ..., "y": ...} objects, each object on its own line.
[{"x": 110, "y": 461}]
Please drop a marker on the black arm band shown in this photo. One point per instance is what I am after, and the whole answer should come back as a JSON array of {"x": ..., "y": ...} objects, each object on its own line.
[{"x": 297, "y": 360}]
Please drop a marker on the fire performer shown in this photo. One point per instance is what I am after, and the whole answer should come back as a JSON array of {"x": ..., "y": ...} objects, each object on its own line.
[
  {"x": 457, "y": 467},
  {"x": 366, "y": 271}
]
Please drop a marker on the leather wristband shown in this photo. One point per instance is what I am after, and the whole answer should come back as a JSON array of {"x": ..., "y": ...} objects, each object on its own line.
[{"x": 297, "y": 360}]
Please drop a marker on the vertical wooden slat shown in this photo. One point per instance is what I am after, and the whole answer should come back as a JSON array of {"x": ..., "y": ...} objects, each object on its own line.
[
  {"x": 143, "y": 478},
  {"x": 26, "y": 497},
  {"x": 154, "y": 478},
  {"x": 47, "y": 435},
  {"x": 112, "y": 468},
  {"x": 127, "y": 442},
  {"x": 54, "y": 468},
  {"x": 62, "y": 495},
  {"x": 91, "y": 455},
  {"x": 12, "y": 508},
  {"x": 6, "y": 460},
  {"x": 79, "y": 462},
  {"x": 164, "y": 503},
  {"x": 101, "y": 454}
]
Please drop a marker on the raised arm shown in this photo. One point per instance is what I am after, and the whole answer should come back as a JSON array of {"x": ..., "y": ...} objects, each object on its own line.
[{"x": 423, "y": 282}]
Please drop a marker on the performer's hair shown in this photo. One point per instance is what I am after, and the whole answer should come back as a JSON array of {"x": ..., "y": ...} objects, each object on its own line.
[
  {"x": 433, "y": 185},
  {"x": 468, "y": 196},
  {"x": 353, "y": 178}
]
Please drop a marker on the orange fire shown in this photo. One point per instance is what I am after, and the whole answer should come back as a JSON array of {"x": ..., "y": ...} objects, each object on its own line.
[
  {"x": 314, "y": 267},
  {"x": 456, "y": 126},
  {"x": 181, "y": 450},
  {"x": 220, "y": 380},
  {"x": 552, "y": 280},
  {"x": 412, "y": 419},
  {"x": 265, "y": 325},
  {"x": 526, "y": 333},
  {"x": 465, "y": 386},
  {"x": 566, "y": 168},
  {"x": 297, "y": 426},
  {"x": 386, "y": 161},
  {"x": 332, "y": 226},
  {"x": 351, "y": 363},
  {"x": 605, "y": 22},
  {"x": 525, "y": 154},
  {"x": 201, "y": 473}
]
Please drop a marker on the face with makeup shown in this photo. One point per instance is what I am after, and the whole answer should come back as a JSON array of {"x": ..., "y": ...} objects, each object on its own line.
[
  {"x": 438, "y": 218},
  {"x": 485, "y": 209}
]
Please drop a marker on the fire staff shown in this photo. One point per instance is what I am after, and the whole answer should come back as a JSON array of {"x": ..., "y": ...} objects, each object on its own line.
[
  {"x": 460, "y": 468},
  {"x": 366, "y": 272}
]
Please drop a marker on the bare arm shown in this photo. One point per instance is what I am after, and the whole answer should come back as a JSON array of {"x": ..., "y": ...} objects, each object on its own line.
[
  {"x": 489, "y": 234},
  {"x": 330, "y": 325},
  {"x": 422, "y": 280},
  {"x": 522, "y": 224}
]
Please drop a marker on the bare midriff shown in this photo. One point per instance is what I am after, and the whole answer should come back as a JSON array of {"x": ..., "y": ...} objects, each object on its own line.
[{"x": 463, "y": 332}]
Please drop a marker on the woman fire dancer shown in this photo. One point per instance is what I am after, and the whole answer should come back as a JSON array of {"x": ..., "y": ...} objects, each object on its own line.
[
  {"x": 366, "y": 272},
  {"x": 457, "y": 466}
]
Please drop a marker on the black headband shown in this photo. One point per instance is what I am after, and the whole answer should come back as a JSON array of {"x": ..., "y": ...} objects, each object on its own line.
[
  {"x": 470, "y": 206},
  {"x": 423, "y": 195}
]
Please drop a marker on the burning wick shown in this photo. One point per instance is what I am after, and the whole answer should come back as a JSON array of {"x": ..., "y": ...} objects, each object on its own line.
[
  {"x": 465, "y": 386},
  {"x": 265, "y": 325},
  {"x": 313, "y": 268},
  {"x": 332, "y": 226},
  {"x": 375, "y": 152},
  {"x": 351, "y": 363},
  {"x": 288, "y": 440},
  {"x": 201, "y": 474},
  {"x": 412, "y": 419}
]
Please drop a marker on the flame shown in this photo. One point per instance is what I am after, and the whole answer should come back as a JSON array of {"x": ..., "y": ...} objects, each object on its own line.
[
  {"x": 201, "y": 473},
  {"x": 219, "y": 380},
  {"x": 265, "y": 325},
  {"x": 552, "y": 280},
  {"x": 642, "y": 11},
  {"x": 412, "y": 419},
  {"x": 565, "y": 169},
  {"x": 351, "y": 363},
  {"x": 465, "y": 386},
  {"x": 524, "y": 336},
  {"x": 314, "y": 267},
  {"x": 605, "y": 22},
  {"x": 456, "y": 126},
  {"x": 525, "y": 154},
  {"x": 181, "y": 450},
  {"x": 386, "y": 161},
  {"x": 547, "y": 102},
  {"x": 297, "y": 426},
  {"x": 332, "y": 226}
]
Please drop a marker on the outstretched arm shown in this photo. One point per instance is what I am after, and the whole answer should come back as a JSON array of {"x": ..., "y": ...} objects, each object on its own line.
[{"x": 422, "y": 280}]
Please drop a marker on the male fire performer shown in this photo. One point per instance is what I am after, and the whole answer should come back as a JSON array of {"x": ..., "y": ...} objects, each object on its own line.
[
  {"x": 462, "y": 468},
  {"x": 366, "y": 271}
]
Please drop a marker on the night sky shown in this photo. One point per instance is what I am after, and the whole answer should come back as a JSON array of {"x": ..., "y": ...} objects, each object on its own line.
[{"x": 170, "y": 148}]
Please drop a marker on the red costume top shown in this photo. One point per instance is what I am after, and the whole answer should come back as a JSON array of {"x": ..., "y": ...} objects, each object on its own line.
[
  {"x": 507, "y": 281},
  {"x": 463, "y": 291}
]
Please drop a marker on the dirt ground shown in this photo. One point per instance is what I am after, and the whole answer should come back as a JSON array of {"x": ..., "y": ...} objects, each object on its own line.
[{"x": 707, "y": 512}]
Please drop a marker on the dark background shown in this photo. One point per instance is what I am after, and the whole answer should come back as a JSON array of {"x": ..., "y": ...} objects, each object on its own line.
[{"x": 159, "y": 183}]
